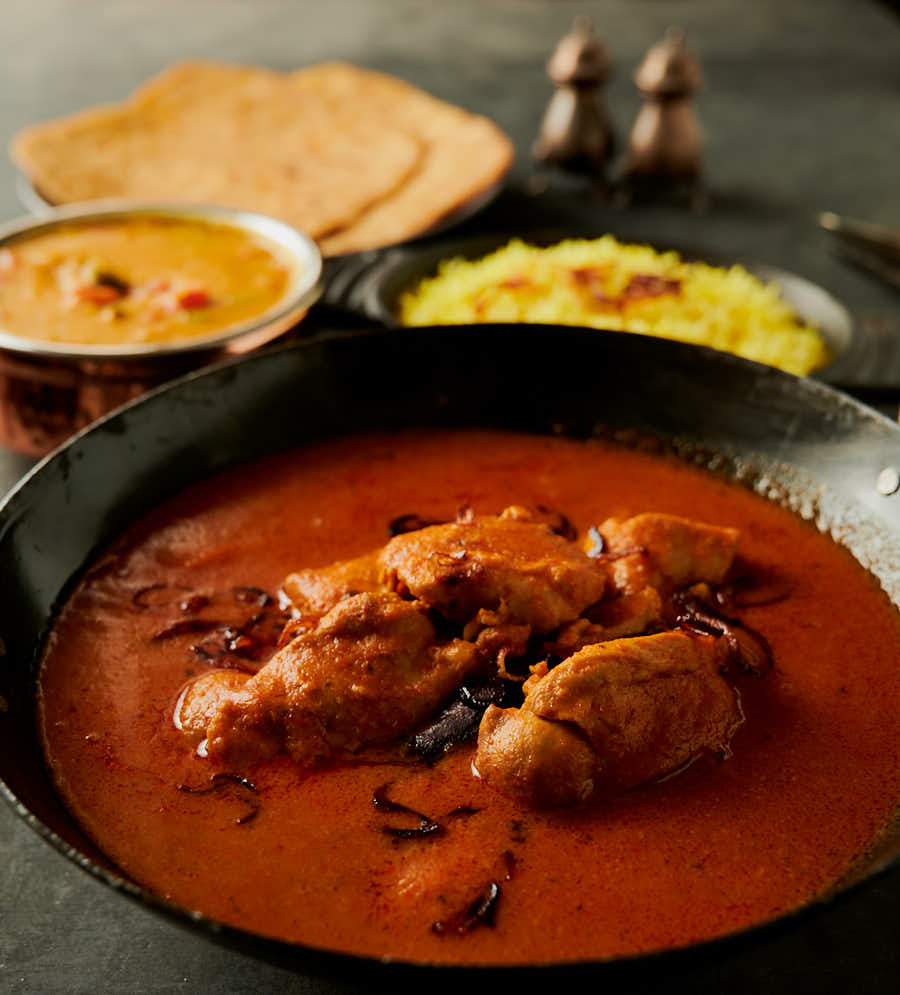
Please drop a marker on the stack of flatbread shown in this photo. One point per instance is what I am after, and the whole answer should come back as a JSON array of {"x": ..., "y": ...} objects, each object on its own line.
[{"x": 355, "y": 158}]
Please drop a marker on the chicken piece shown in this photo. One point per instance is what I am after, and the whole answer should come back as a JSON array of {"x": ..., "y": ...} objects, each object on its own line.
[
  {"x": 498, "y": 642},
  {"x": 199, "y": 701},
  {"x": 629, "y": 615},
  {"x": 370, "y": 670},
  {"x": 636, "y": 708},
  {"x": 313, "y": 592},
  {"x": 655, "y": 550},
  {"x": 519, "y": 569},
  {"x": 496, "y": 639},
  {"x": 536, "y": 672},
  {"x": 547, "y": 763}
]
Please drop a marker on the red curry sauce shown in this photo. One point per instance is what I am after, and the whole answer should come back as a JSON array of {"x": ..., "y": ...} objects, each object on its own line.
[{"x": 814, "y": 776}]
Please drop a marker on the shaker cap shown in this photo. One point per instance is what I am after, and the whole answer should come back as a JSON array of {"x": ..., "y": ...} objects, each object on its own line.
[
  {"x": 579, "y": 57},
  {"x": 669, "y": 69}
]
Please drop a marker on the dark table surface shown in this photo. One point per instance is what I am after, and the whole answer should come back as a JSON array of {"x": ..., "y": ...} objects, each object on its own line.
[{"x": 802, "y": 114}]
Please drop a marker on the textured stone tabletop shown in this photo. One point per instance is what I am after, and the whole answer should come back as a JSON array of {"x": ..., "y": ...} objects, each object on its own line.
[{"x": 802, "y": 114}]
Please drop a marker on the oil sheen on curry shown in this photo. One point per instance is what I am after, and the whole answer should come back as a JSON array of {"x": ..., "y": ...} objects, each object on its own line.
[
  {"x": 136, "y": 280},
  {"x": 476, "y": 697}
]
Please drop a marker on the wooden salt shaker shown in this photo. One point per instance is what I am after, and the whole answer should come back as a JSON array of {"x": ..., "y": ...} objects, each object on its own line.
[
  {"x": 576, "y": 133},
  {"x": 666, "y": 139}
]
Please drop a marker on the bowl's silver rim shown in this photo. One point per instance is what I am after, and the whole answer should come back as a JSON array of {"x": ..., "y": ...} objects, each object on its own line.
[{"x": 304, "y": 288}]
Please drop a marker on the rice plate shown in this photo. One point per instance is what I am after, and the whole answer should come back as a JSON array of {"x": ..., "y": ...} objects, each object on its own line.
[{"x": 603, "y": 283}]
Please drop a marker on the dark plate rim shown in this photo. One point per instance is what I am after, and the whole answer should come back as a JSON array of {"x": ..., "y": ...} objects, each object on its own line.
[{"x": 367, "y": 284}]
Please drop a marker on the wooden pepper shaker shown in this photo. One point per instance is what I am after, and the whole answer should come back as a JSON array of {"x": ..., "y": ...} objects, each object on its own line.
[
  {"x": 666, "y": 140},
  {"x": 576, "y": 132}
]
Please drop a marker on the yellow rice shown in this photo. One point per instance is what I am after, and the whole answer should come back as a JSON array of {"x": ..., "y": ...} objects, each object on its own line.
[{"x": 586, "y": 282}]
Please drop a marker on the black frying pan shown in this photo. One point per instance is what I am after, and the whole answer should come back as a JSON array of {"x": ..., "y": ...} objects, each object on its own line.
[{"x": 798, "y": 441}]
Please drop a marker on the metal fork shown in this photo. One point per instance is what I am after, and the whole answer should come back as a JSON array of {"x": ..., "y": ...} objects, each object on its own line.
[{"x": 873, "y": 247}]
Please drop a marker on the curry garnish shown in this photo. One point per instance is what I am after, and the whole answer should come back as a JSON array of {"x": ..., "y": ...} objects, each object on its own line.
[
  {"x": 157, "y": 596},
  {"x": 193, "y": 604},
  {"x": 483, "y": 910},
  {"x": 426, "y": 827},
  {"x": 559, "y": 523},
  {"x": 252, "y": 595},
  {"x": 459, "y": 721},
  {"x": 184, "y": 626},
  {"x": 228, "y": 783},
  {"x": 409, "y": 523},
  {"x": 750, "y": 650}
]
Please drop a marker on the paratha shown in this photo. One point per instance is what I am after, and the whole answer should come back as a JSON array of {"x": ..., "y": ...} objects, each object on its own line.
[
  {"x": 222, "y": 134},
  {"x": 465, "y": 155},
  {"x": 354, "y": 158}
]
